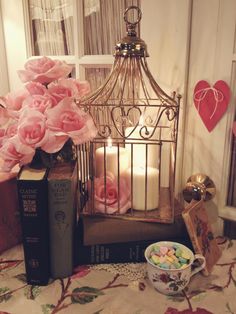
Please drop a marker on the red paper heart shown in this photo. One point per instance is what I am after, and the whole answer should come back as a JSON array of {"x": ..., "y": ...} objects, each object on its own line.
[{"x": 211, "y": 102}]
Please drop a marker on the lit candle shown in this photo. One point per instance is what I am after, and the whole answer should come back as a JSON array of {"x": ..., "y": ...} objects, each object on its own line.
[
  {"x": 111, "y": 157},
  {"x": 134, "y": 138},
  {"x": 145, "y": 182}
]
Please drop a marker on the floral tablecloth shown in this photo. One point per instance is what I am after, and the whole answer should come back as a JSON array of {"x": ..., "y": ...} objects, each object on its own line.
[{"x": 116, "y": 289}]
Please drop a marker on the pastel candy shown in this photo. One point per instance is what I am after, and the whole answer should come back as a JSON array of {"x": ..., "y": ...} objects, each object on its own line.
[
  {"x": 185, "y": 255},
  {"x": 163, "y": 250},
  {"x": 171, "y": 252},
  {"x": 162, "y": 259},
  {"x": 164, "y": 265},
  {"x": 183, "y": 260},
  {"x": 156, "y": 249},
  {"x": 170, "y": 257},
  {"x": 183, "y": 266},
  {"x": 177, "y": 265},
  {"x": 155, "y": 259},
  {"x": 178, "y": 252}
]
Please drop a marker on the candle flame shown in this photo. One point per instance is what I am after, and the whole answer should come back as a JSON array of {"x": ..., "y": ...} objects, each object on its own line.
[{"x": 109, "y": 142}]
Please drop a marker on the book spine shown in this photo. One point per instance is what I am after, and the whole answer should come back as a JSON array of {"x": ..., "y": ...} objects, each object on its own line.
[
  {"x": 62, "y": 218},
  {"x": 32, "y": 195},
  {"x": 125, "y": 252}
]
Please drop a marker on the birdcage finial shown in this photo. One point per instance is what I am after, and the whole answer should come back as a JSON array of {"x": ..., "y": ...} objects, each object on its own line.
[
  {"x": 131, "y": 45},
  {"x": 130, "y": 26}
]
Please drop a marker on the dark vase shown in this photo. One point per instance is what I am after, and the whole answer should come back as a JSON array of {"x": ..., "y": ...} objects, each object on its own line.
[{"x": 41, "y": 158}]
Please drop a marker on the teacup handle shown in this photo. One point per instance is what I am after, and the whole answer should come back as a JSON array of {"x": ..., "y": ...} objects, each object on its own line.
[{"x": 198, "y": 268}]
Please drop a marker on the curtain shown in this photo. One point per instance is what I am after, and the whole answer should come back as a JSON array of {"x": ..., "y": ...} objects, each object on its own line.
[
  {"x": 104, "y": 24},
  {"x": 52, "y": 27}
]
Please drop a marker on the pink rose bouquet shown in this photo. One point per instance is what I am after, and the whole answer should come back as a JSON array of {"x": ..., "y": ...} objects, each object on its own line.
[
  {"x": 108, "y": 198},
  {"x": 43, "y": 116}
]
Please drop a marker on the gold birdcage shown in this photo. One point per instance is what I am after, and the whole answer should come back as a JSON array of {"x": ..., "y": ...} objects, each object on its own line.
[{"x": 128, "y": 170}]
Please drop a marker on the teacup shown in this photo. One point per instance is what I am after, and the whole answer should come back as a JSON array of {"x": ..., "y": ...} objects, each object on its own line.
[{"x": 172, "y": 281}]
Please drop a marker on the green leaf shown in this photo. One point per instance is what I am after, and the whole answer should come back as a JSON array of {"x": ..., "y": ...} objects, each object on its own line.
[
  {"x": 4, "y": 295},
  {"x": 31, "y": 292},
  {"x": 21, "y": 277},
  {"x": 175, "y": 298},
  {"x": 85, "y": 294},
  {"x": 199, "y": 297},
  {"x": 47, "y": 308}
]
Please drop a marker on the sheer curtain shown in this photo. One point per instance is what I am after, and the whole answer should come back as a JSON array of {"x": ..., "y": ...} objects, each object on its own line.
[
  {"x": 104, "y": 24},
  {"x": 52, "y": 27}
]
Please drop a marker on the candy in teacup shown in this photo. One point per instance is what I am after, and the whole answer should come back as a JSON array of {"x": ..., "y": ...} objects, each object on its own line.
[
  {"x": 169, "y": 266},
  {"x": 169, "y": 257}
]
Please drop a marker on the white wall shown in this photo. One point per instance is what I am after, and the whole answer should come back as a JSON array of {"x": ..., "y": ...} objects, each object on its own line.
[
  {"x": 14, "y": 33},
  {"x": 4, "y": 83},
  {"x": 212, "y": 38},
  {"x": 165, "y": 29}
]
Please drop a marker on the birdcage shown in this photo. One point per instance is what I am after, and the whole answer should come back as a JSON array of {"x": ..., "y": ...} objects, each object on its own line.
[{"x": 128, "y": 170}]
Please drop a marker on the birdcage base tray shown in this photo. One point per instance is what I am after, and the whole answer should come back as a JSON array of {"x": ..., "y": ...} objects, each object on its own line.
[{"x": 164, "y": 214}]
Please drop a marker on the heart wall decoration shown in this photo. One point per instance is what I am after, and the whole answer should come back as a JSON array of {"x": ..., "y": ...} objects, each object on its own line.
[{"x": 211, "y": 102}]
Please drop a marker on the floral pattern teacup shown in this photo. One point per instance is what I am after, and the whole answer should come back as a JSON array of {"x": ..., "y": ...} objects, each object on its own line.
[{"x": 172, "y": 281}]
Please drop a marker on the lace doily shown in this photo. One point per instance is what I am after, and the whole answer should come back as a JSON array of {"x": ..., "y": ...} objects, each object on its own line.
[{"x": 131, "y": 271}]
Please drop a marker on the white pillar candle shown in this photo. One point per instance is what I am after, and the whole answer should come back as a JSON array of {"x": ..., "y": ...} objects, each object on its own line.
[
  {"x": 139, "y": 146},
  {"x": 108, "y": 156},
  {"x": 140, "y": 177}
]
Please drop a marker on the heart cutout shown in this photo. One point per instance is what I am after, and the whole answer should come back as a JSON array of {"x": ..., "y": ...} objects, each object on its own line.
[
  {"x": 211, "y": 102},
  {"x": 119, "y": 113}
]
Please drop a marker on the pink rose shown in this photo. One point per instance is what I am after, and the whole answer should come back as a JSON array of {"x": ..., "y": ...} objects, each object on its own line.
[
  {"x": 44, "y": 70},
  {"x": 66, "y": 119},
  {"x": 11, "y": 130},
  {"x": 7, "y": 133},
  {"x": 68, "y": 88},
  {"x": 2, "y": 136},
  {"x": 14, "y": 100},
  {"x": 35, "y": 88},
  {"x": 4, "y": 115},
  {"x": 83, "y": 87},
  {"x": 32, "y": 128},
  {"x": 39, "y": 102},
  {"x": 60, "y": 91},
  {"x": 13, "y": 152},
  {"x": 107, "y": 197}
]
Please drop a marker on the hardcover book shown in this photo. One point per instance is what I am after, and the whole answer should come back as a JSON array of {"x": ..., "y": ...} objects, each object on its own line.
[
  {"x": 10, "y": 227},
  {"x": 200, "y": 233},
  {"x": 32, "y": 195},
  {"x": 120, "y": 252},
  {"x": 97, "y": 230},
  {"x": 62, "y": 202}
]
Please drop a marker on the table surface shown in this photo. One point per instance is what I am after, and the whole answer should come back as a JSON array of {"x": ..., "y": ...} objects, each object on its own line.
[{"x": 117, "y": 289}]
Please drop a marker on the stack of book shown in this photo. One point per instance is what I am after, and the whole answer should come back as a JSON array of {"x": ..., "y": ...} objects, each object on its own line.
[
  {"x": 55, "y": 241},
  {"x": 48, "y": 209},
  {"x": 112, "y": 240},
  {"x": 10, "y": 228}
]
